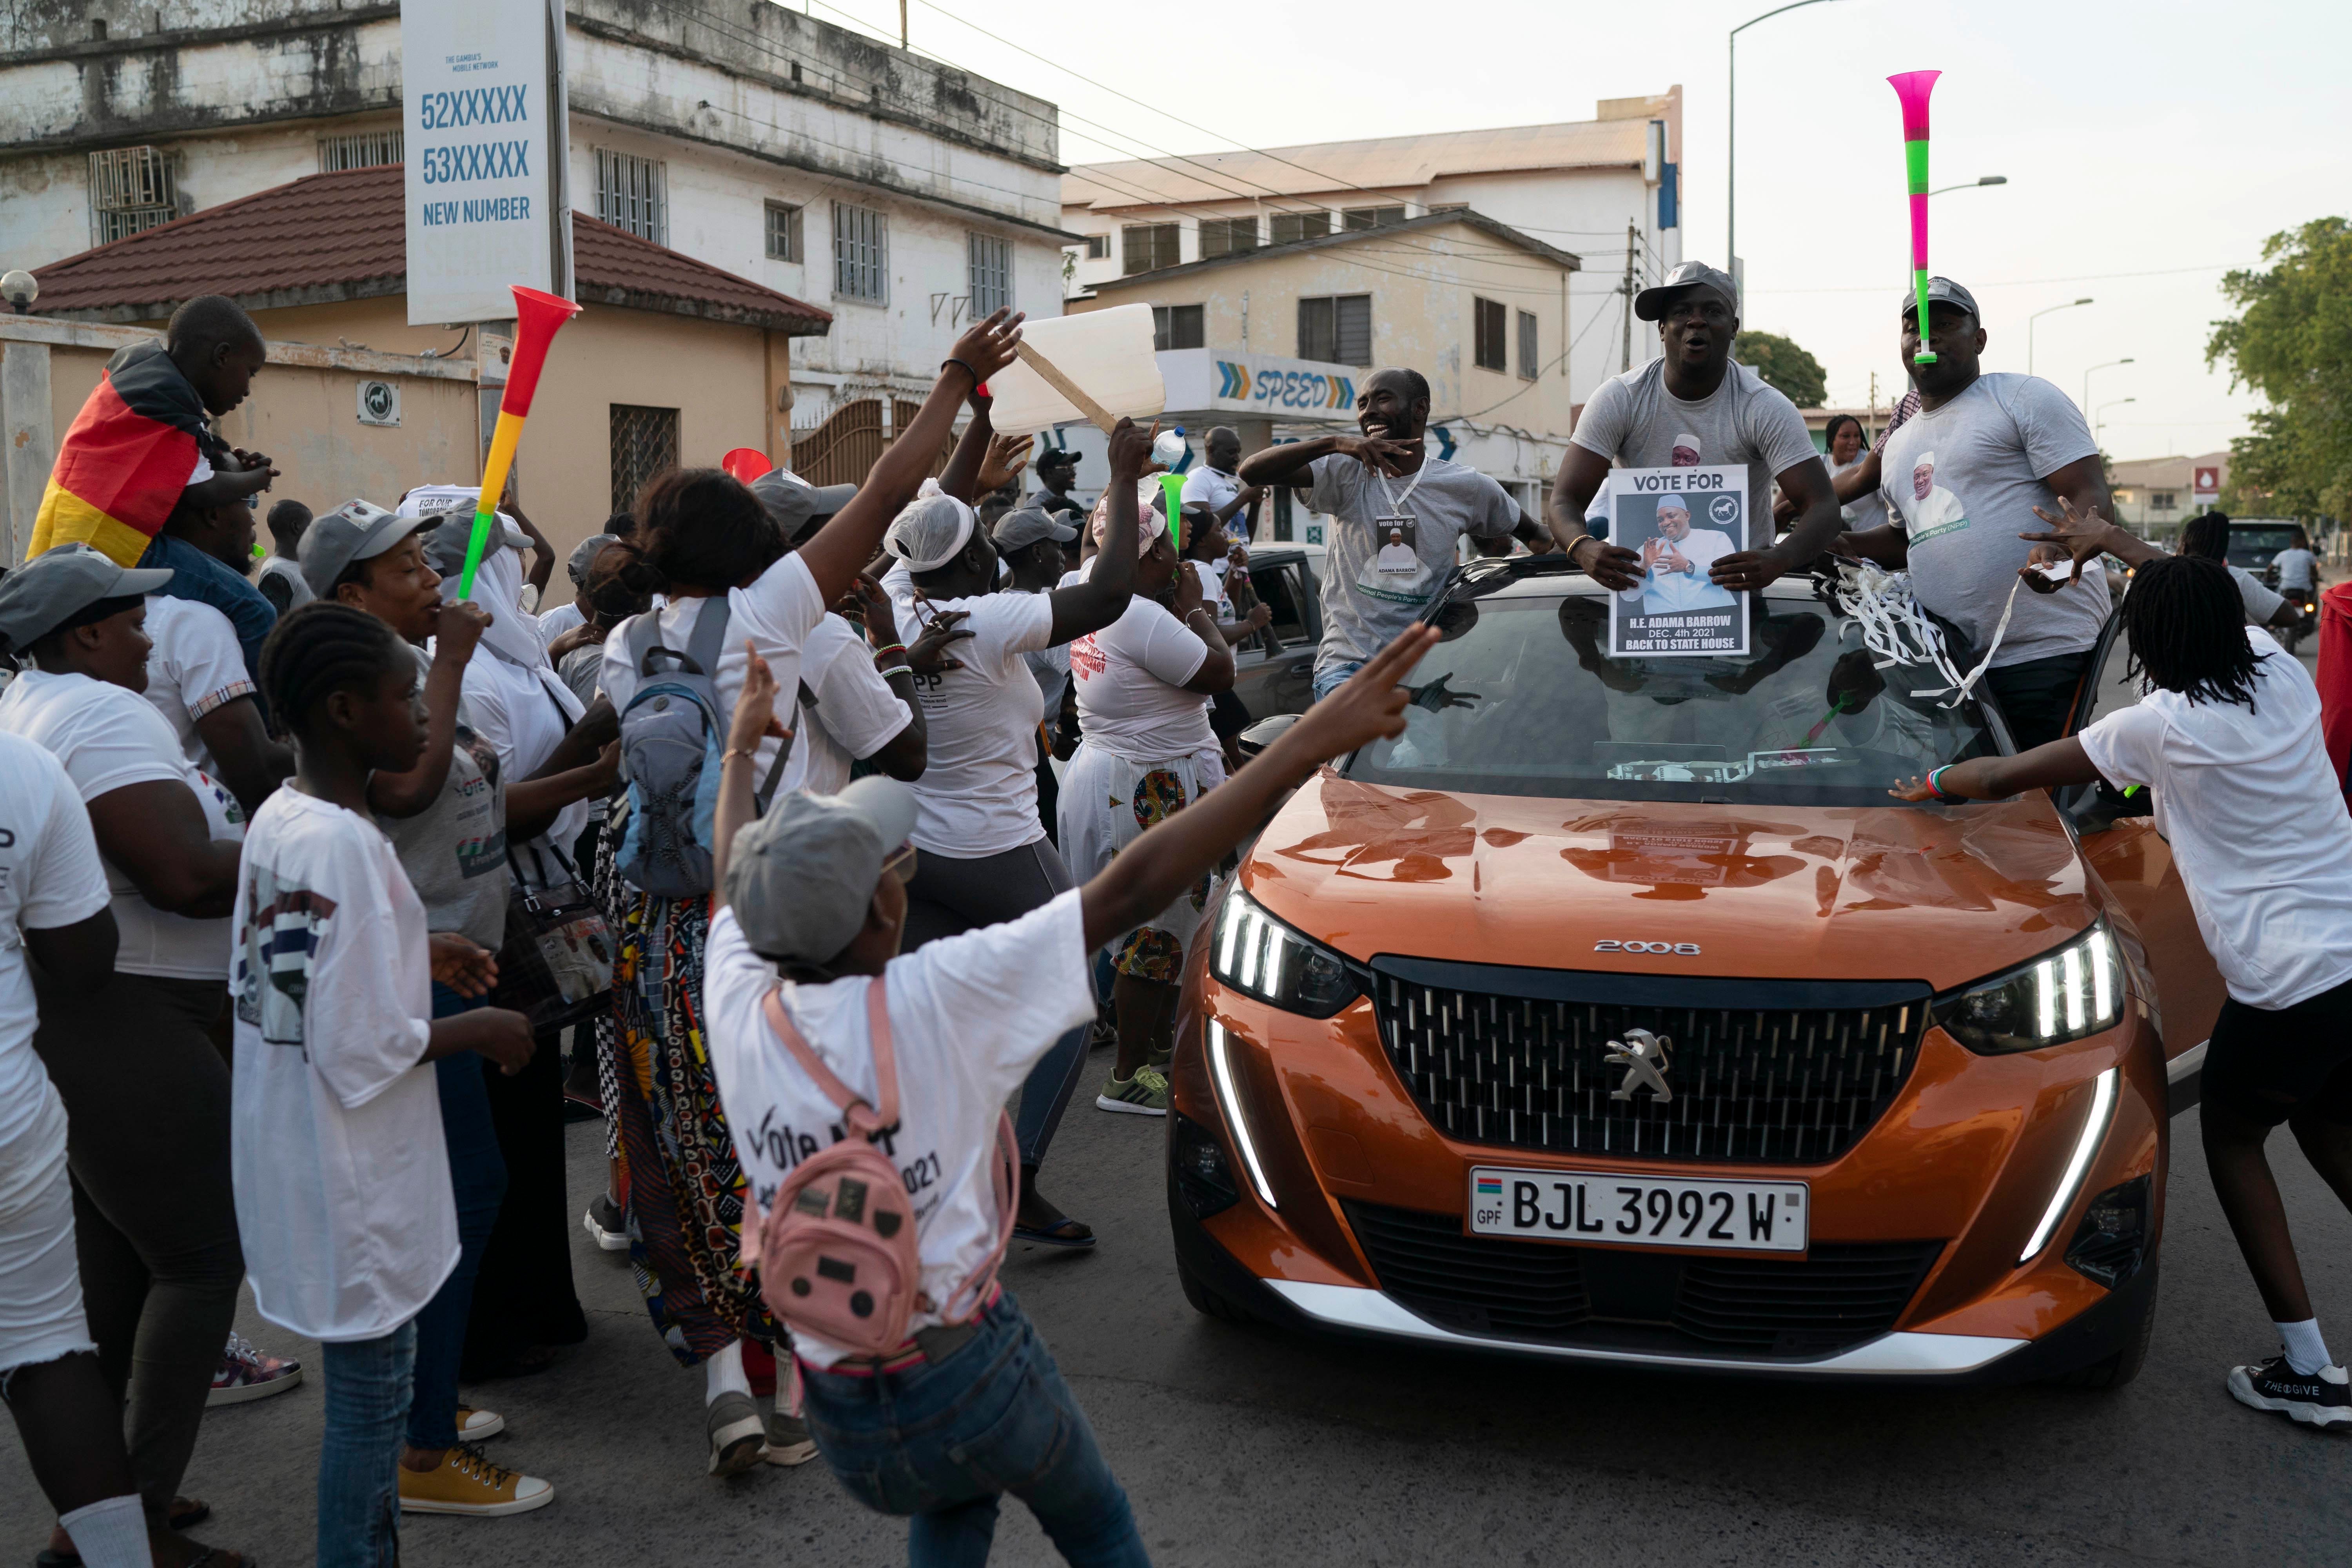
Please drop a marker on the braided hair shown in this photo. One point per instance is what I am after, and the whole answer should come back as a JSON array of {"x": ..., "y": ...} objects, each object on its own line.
[
  {"x": 2188, "y": 631},
  {"x": 322, "y": 647}
]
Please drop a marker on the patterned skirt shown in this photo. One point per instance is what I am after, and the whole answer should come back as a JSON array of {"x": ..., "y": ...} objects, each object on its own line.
[
  {"x": 1106, "y": 802},
  {"x": 686, "y": 1191}
]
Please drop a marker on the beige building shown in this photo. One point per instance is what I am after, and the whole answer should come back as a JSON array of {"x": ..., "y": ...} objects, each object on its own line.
[
  {"x": 671, "y": 361},
  {"x": 2154, "y": 496}
]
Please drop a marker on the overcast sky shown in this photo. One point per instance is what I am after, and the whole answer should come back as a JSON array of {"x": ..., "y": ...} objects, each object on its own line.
[{"x": 2148, "y": 146}]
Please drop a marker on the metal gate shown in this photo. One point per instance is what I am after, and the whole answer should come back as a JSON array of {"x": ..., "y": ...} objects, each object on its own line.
[{"x": 843, "y": 450}]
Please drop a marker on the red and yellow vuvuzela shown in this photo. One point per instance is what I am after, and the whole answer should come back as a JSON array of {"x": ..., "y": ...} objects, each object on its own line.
[{"x": 537, "y": 317}]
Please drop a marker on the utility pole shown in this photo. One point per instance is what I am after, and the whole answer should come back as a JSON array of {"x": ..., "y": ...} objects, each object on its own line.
[
  {"x": 1625, "y": 361},
  {"x": 1874, "y": 408},
  {"x": 902, "y": 23}
]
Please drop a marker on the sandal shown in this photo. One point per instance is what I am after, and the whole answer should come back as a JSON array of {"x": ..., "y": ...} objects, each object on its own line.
[{"x": 1063, "y": 1231}]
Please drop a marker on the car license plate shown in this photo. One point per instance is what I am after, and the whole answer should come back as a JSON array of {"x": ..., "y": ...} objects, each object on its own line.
[{"x": 1639, "y": 1211}]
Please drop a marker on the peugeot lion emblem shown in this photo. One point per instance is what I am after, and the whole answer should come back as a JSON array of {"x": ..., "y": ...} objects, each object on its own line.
[{"x": 1645, "y": 1058}]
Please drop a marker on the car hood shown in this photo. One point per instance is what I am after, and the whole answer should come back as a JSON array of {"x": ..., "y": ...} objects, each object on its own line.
[{"x": 1941, "y": 895}]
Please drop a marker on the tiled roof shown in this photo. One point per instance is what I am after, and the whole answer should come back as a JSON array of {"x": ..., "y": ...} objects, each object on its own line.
[{"x": 327, "y": 237}]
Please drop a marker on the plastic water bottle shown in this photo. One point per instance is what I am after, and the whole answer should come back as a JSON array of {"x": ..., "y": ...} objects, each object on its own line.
[{"x": 1169, "y": 448}]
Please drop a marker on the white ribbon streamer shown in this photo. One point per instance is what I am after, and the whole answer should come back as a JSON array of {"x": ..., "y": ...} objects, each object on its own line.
[{"x": 1896, "y": 630}]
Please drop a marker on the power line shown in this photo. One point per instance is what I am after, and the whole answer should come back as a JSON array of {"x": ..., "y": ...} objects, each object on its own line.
[{"x": 2017, "y": 282}]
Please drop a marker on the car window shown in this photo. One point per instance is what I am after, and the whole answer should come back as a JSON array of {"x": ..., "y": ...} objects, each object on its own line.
[
  {"x": 1521, "y": 697},
  {"x": 1277, "y": 589},
  {"x": 2253, "y": 547}
]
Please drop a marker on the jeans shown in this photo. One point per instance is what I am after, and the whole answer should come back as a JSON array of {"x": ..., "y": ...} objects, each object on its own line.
[
  {"x": 477, "y": 1181},
  {"x": 358, "y": 1455},
  {"x": 1329, "y": 677},
  {"x": 942, "y": 1441}
]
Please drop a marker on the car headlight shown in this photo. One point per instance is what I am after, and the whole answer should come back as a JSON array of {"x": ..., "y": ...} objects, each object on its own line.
[
  {"x": 1258, "y": 955},
  {"x": 2064, "y": 995}
]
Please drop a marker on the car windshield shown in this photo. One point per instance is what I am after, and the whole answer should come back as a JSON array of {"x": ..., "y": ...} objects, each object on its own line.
[
  {"x": 1521, "y": 697},
  {"x": 2252, "y": 545}
]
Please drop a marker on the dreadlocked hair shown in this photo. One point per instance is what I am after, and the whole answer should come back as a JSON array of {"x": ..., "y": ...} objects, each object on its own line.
[
  {"x": 2188, "y": 631},
  {"x": 323, "y": 648}
]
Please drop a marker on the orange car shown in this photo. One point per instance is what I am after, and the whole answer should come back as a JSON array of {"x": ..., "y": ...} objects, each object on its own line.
[{"x": 1614, "y": 1013}]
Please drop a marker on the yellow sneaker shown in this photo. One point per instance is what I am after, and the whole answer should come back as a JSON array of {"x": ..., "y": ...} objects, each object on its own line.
[{"x": 464, "y": 1481}]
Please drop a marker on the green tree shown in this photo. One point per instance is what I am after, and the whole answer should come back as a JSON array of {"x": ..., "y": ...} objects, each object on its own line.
[
  {"x": 2291, "y": 342},
  {"x": 1787, "y": 369}
]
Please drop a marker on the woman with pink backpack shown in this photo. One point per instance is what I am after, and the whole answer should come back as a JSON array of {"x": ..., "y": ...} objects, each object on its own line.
[{"x": 865, "y": 1090}]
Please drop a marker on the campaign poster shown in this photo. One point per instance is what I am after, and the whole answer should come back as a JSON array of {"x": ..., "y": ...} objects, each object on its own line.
[{"x": 1680, "y": 521}]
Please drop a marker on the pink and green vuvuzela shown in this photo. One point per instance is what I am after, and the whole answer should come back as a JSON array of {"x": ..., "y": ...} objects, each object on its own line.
[{"x": 1913, "y": 88}]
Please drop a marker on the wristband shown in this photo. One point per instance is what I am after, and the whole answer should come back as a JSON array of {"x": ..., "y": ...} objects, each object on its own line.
[
  {"x": 907, "y": 669},
  {"x": 1937, "y": 789},
  {"x": 887, "y": 649},
  {"x": 966, "y": 369},
  {"x": 749, "y": 754}
]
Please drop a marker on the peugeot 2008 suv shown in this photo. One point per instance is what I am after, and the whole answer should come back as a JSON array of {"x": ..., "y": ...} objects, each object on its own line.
[{"x": 1615, "y": 1012}]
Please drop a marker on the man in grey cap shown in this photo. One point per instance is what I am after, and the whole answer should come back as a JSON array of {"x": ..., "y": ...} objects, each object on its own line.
[
  {"x": 554, "y": 622},
  {"x": 1033, "y": 543},
  {"x": 355, "y": 531},
  {"x": 1692, "y": 407},
  {"x": 1987, "y": 459},
  {"x": 69, "y": 588},
  {"x": 798, "y": 507}
]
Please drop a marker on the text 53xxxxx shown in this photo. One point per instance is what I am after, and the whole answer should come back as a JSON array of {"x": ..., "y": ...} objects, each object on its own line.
[{"x": 1625, "y": 1209}]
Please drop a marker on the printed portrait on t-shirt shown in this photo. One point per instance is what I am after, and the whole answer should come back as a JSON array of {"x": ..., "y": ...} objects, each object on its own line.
[
  {"x": 275, "y": 950},
  {"x": 1686, "y": 451},
  {"x": 1932, "y": 510}
]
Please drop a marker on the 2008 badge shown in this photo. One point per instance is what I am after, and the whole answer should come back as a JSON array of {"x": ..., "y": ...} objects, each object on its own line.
[{"x": 1680, "y": 949}]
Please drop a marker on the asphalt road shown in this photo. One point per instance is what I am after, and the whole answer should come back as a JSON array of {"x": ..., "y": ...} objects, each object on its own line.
[{"x": 1244, "y": 1445}]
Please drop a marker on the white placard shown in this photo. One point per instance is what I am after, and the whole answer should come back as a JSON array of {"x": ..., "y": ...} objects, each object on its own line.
[
  {"x": 1106, "y": 352},
  {"x": 1681, "y": 522},
  {"x": 483, "y": 112}
]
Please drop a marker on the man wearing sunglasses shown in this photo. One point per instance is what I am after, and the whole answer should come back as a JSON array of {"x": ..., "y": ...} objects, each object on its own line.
[{"x": 1692, "y": 407}]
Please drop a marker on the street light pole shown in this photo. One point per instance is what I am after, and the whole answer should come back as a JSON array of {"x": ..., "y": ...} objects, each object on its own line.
[
  {"x": 2094, "y": 370},
  {"x": 2099, "y": 421},
  {"x": 2037, "y": 316},
  {"x": 1731, "y": 145}
]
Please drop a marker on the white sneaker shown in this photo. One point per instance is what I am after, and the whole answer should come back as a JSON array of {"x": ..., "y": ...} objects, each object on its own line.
[
  {"x": 608, "y": 1223},
  {"x": 2323, "y": 1398}
]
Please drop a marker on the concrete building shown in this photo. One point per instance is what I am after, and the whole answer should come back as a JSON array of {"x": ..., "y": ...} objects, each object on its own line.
[
  {"x": 813, "y": 162},
  {"x": 2154, "y": 496}
]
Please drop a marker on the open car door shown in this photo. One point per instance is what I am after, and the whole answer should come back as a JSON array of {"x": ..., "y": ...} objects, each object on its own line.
[{"x": 2122, "y": 845}]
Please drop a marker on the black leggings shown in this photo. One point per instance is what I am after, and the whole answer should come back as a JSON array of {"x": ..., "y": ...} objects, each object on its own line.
[{"x": 147, "y": 1141}]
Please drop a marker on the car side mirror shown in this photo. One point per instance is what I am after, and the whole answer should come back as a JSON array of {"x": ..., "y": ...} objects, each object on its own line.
[{"x": 1263, "y": 734}]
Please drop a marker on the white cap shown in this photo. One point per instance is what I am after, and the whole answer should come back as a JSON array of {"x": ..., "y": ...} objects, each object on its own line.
[{"x": 932, "y": 530}]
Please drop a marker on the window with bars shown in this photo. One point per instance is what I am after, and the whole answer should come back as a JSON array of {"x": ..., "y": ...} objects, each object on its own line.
[
  {"x": 645, "y": 442},
  {"x": 1528, "y": 346},
  {"x": 131, "y": 189},
  {"x": 1357, "y": 218},
  {"x": 632, "y": 192},
  {"x": 784, "y": 232},
  {"x": 1146, "y": 246},
  {"x": 1488, "y": 349},
  {"x": 1226, "y": 235},
  {"x": 861, "y": 254},
  {"x": 1179, "y": 327},
  {"x": 1335, "y": 329},
  {"x": 989, "y": 269},
  {"x": 1097, "y": 247},
  {"x": 1290, "y": 228},
  {"x": 360, "y": 150}
]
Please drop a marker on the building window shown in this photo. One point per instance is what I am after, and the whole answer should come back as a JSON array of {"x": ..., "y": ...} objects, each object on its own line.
[
  {"x": 1179, "y": 327},
  {"x": 130, "y": 189},
  {"x": 990, "y": 265},
  {"x": 360, "y": 149},
  {"x": 1487, "y": 317},
  {"x": 1097, "y": 247},
  {"x": 1226, "y": 235},
  {"x": 1527, "y": 368},
  {"x": 861, "y": 254},
  {"x": 1354, "y": 218},
  {"x": 1291, "y": 227},
  {"x": 1146, "y": 247},
  {"x": 645, "y": 442},
  {"x": 1335, "y": 329},
  {"x": 632, "y": 192},
  {"x": 2164, "y": 500},
  {"x": 784, "y": 232}
]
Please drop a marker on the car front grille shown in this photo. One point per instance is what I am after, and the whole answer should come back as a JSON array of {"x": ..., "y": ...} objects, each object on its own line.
[
  {"x": 1838, "y": 1295},
  {"x": 1759, "y": 1072}
]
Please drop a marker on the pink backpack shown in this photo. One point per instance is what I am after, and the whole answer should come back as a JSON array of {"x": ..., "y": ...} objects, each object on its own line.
[{"x": 837, "y": 1249}]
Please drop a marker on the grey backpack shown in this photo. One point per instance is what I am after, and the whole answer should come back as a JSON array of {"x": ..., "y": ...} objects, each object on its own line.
[{"x": 672, "y": 741}]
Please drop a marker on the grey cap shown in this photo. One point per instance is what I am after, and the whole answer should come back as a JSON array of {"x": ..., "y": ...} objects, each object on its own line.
[
  {"x": 453, "y": 531},
  {"x": 584, "y": 556},
  {"x": 1024, "y": 526},
  {"x": 791, "y": 501},
  {"x": 1651, "y": 303},
  {"x": 800, "y": 879},
  {"x": 58, "y": 585},
  {"x": 355, "y": 530},
  {"x": 1941, "y": 292}
]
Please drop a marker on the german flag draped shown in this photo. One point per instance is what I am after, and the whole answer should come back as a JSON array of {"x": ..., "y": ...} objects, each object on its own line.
[{"x": 131, "y": 452}]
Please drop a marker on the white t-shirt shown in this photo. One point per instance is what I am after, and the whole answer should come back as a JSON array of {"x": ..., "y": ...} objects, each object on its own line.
[
  {"x": 1868, "y": 511},
  {"x": 2260, "y": 602},
  {"x": 978, "y": 794},
  {"x": 776, "y": 614},
  {"x": 1130, "y": 677},
  {"x": 969, "y": 1015},
  {"x": 335, "y": 1143},
  {"x": 1217, "y": 489},
  {"x": 2294, "y": 567},
  {"x": 524, "y": 714},
  {"x": 2247, "y": 800},
  {"x": 50, "y": 876},
  {"x": 195, "y": 668},
  {"x": 856, "y": 714},
  {"x": 108, "y": 739},
  {"x": 560, "y": 620}
]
